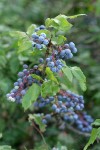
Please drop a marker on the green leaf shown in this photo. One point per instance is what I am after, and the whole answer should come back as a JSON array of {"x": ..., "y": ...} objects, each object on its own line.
[
  {"x": 96, "y": 123},
  {"x": 38, "y": 120},
  {"x": 24, "y": 44},
  {"x": 18, "y": 34},
  {"x": 59, "y": 40},
  {"x": 78, "y": 74},
  {"x": 30, "y": 29},
  {"x": 37, "y": 77},
  {"x": 59, "y": 23},
  {"x": 49, "y": 88},
  {"x": 67, "y": 72},
  {"x": 75, "y": 16},
  {"x": 64, "y": 25},
  {"x": 31, "y": 96},
  {"x": 94, "y": 135},
  {"x": 52, "y": 23},
  {"x": 46, "y": 88},
  {"x": 50, "y": 75}
]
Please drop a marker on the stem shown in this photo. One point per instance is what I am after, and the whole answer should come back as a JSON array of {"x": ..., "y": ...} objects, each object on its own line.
[
  {"x": 77, "y": 131},
  {"x": 40, "y": 133},
  {"x": 46, "y": 55}
]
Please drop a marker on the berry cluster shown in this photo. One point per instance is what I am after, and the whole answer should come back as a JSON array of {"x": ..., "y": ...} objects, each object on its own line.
[
  {"x": 24, "y": 81},
  {"x": 67, "y": 51},
  {"x": 82, "y": 121},
  {"x": 39, "y": 41},
  {"x": 42, "y": 27},
  {"x": 53, "y": 64},
  {"x": 42, "y": 102},
  {"x": 68, "y": 102}
]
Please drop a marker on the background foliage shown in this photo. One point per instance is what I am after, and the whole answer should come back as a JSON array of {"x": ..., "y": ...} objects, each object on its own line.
[{"x": 18, "y": 15}]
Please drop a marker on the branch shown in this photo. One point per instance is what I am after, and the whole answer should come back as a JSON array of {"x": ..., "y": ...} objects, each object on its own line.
[{"x": 77, "y": 131}]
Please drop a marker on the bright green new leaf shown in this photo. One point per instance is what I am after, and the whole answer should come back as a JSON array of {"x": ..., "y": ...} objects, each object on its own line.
[
  {"x": 64, "y": 25},
  {"x": 37, "y": 77},
  {"x": 50, "y": 75},
  {"x": 59, "y": 23},
  {"x": 49, "y": 88},
  {"x": 59, "y": 40},
  {"x": 78, "y": 74},
  {"x": 94, "y": 135},
  {"x": 38, "y": 120},
  {"x": 30, "y": 29},
  {"x": 46, "y": 88},
  {"x": 18, "y": 34},
  {"x": 24, "y": 44},
  {"x": 31, "y": 96},
  {"x": 52, "y": 23},
  {"x": 67, "y": 72}
]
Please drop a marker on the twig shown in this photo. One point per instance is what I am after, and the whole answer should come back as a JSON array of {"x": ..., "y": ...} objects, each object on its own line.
[
  {"x": 77, "y": 131},
  {"x": 39, "y": 133}
]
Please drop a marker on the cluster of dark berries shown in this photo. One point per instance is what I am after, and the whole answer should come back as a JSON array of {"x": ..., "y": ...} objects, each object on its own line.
[
  {"x": 82, "y": 121},
  {"x": 68, "y": 102},
  {"x": 42, "y": 102},
  {"x": 66, "y": 51},
  {"x": 24, "y": 81},
  {"x": 39, "y": 41},
  {"x": 42, "y": 27},
  {"x": 53, "y": 64}
]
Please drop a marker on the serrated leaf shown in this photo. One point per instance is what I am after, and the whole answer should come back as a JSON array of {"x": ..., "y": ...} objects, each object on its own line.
[
  {"x": 59, "y": 23},
  {"x": 51, "y": 23},
  {"x": 50, "y": 75},
  {"x": 94, "y": 135},
  {"x": 67, "y": 72},
  {"x": 24, "y": 44},
  {"x": 46, "y": 88},
  {"x": 49, "y": 88},
  {"x": 38, "y": 120},
  {"x": 18, "y": 34},
  {"x": 64, "y": 82},
  {"x": 78, "y": 74},
  {"x": 31, "y": 96},
  {"x": 30, "y": 29},
  {"x": 59, "y": 40},
  {"x": 37, "y": 77},
  {"x": 64, "y": 25}
]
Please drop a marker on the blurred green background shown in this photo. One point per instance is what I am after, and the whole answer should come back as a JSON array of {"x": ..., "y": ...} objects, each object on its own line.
[{"x": 18, "y": 15}]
